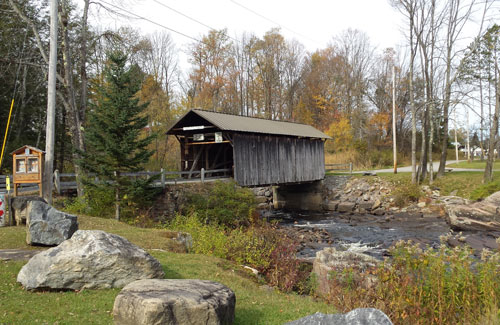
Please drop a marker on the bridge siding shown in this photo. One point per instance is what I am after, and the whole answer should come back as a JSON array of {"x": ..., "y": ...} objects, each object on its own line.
[{"x": 277, "y": 159}]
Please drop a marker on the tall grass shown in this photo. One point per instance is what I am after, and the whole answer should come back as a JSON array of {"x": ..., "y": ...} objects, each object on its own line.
[{"x": 431, "y": 286}]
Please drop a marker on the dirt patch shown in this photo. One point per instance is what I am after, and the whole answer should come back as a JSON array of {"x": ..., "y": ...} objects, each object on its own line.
[{"x": 17, "y": 254}]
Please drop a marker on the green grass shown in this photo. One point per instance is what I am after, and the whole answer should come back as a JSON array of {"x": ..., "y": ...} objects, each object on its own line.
[
  {"x": 475, "y": 164},
  {"x": 254, "y": 304},
  {"x": 464, "y": 183}
]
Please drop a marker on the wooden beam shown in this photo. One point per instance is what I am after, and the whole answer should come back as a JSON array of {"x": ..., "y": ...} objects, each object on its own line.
[
  {"x": 195, "y": 128},
  {"x": 209, "y": 142},
  {"x": 195, "y": 162}
]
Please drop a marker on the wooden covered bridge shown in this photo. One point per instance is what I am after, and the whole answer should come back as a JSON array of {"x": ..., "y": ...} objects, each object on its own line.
[{"x": 256, "y": 151}]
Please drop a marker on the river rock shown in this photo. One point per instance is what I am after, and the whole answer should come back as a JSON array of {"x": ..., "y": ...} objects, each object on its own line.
[
  {"x": 174, "y": 302},
  {"x": 91, "y": 259},
  {"x": 332, "y": 205},
  {"x": 47, "y": 225},
  {"x": 359, "y": 316},
  {"x": 365, "y": 205},
  {"x": 331, "y": 260},
  {"x": 483, "y": 215},
  {"x": 346, "y": 207},
  {"x": 379, "y": 212}
]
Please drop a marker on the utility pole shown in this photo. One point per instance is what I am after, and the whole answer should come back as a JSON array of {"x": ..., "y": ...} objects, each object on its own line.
[
  {"x": 468, "y": 135},
  {"x": 51, "y": 106},
  {"x": 456, "y": 138},
  {"x": 394, "y": 147}
]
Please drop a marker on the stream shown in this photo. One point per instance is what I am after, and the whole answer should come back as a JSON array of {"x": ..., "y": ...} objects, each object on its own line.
[{"x": 373, "y": 235}]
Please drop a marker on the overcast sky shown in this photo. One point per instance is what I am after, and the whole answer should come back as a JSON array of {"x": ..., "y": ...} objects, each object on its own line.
[{"x": 312, "y": 22}]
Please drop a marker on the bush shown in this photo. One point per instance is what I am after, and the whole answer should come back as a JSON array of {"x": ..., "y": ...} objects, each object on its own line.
[
  {"x": 261, "y": 247},
  {"x": 225, "y": 203},
  {"x": 97, "y": 201},
  {"x": 432, "y": 286},
  {"x": 405, "y": 193},
  {"x": 208, "y": 239}
]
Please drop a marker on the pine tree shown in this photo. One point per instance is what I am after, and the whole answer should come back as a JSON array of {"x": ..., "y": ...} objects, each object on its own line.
[{"x": 114, "y": 144}]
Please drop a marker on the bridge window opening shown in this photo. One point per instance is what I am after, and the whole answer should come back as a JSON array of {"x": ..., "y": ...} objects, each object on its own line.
[{"x": 209, "y": 151}]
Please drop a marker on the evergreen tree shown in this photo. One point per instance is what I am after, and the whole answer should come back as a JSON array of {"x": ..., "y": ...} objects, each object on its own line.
[{"x": 114, "y": 144}]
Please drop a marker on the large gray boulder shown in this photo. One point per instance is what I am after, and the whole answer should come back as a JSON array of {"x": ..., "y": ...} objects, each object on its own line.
[
  {"x": 47, "y": 225},
  {"x": 91, "y": 259},
  {"x": 187, "y": 302},
  {"x": 331, "y": 261},
  {"x": 19, "y": 205},
  {"x": 359, "y": 316},
  {"x": 483, "y": 215}
]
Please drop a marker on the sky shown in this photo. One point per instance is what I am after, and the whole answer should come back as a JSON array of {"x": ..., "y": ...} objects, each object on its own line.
[{"x": 311, "y": 22}]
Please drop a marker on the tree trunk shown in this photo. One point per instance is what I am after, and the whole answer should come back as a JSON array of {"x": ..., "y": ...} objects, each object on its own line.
[
  {"x": 75, "y": 126},
  {"x": 488, "y": 171},
  {"x": 117, "y": 196}
]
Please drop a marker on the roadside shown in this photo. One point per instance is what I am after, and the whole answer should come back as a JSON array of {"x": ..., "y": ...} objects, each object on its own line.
[{"x": 407, "y": 169}]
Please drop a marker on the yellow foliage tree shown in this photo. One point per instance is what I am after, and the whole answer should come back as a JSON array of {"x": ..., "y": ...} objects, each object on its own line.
[
  {"x": 341, "y": 132},
  {"x": 379, "y": 125}
]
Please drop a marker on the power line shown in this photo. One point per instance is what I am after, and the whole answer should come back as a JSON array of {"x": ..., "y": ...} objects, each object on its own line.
[
  {"x": 191, "y": 18},
  {"x": 274, "y": 22},
  {"x": 151, "y": 21}
]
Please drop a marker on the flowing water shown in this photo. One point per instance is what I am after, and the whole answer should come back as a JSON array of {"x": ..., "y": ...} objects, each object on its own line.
[{"x": 373, "y": 235}]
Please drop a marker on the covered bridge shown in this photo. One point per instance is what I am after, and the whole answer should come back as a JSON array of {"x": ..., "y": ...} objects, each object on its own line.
[{"x": 258, "y": 151}]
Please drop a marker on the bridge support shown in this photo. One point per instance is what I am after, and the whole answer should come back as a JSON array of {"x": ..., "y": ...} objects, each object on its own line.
[{"x": 304, "y": 196}]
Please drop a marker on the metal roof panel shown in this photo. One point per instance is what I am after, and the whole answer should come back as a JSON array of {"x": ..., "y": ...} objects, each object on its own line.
[{"x": 240, "y": 123}]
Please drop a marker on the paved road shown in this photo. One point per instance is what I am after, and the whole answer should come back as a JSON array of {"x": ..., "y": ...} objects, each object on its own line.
[{"x": 435, "y": 165}]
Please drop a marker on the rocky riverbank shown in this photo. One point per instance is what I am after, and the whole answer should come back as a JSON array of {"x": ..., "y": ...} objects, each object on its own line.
[{"x": 362, "y": 216}]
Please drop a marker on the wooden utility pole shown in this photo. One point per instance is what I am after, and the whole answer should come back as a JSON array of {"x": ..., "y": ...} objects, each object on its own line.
[
  {"x": 456, "y": 138},
  {"x": 51, "y": 106},
  {"x": 394, "y": 147}
]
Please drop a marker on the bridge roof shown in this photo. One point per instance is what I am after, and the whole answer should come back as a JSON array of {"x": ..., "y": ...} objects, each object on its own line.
[{"x": 238, "y": 123}]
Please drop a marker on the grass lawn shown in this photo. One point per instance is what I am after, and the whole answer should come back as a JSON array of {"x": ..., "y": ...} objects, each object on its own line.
[
  {"x": 475, "y": 164},
  {"x": 463, "y": 182},
  {"x": 254, "y": 304}
]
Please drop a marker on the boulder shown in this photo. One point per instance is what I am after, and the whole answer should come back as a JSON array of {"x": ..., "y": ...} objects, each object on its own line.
[
  {"x": 330, "y": 261},
  {"x": 332, "y": 205},
  {"x": 365, "y": 205},
  {"x": 376, "y": 204},
  {"x": 47, "y": 225},
  {"x": 379, "y": 211},
  {"x": 483, "y": 215},
  {"x": 91, "y": 259},
  {"x": 346, "y": 207},
  {"x": 174, "y": 302},
  {"x": 359, "y": 316},
  {"x": 19, "y": 206}
]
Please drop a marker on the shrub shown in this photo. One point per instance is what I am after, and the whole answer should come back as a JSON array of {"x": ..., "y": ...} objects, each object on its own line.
[
  {"x": 261, "y": 247},
  {"x": 285, "y": 271},
  {"x": 225, "y": 203},
  {"x": 431, "y": 286},
  {"x": 405, "y": 193},
  {"x": 252, "y": 246},
  {"x": 97, "y": 201},
  {"x": 208, "y": 239}
]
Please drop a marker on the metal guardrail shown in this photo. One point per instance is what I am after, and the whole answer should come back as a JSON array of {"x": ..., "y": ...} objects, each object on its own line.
[{"x": 339, "y": 167}]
